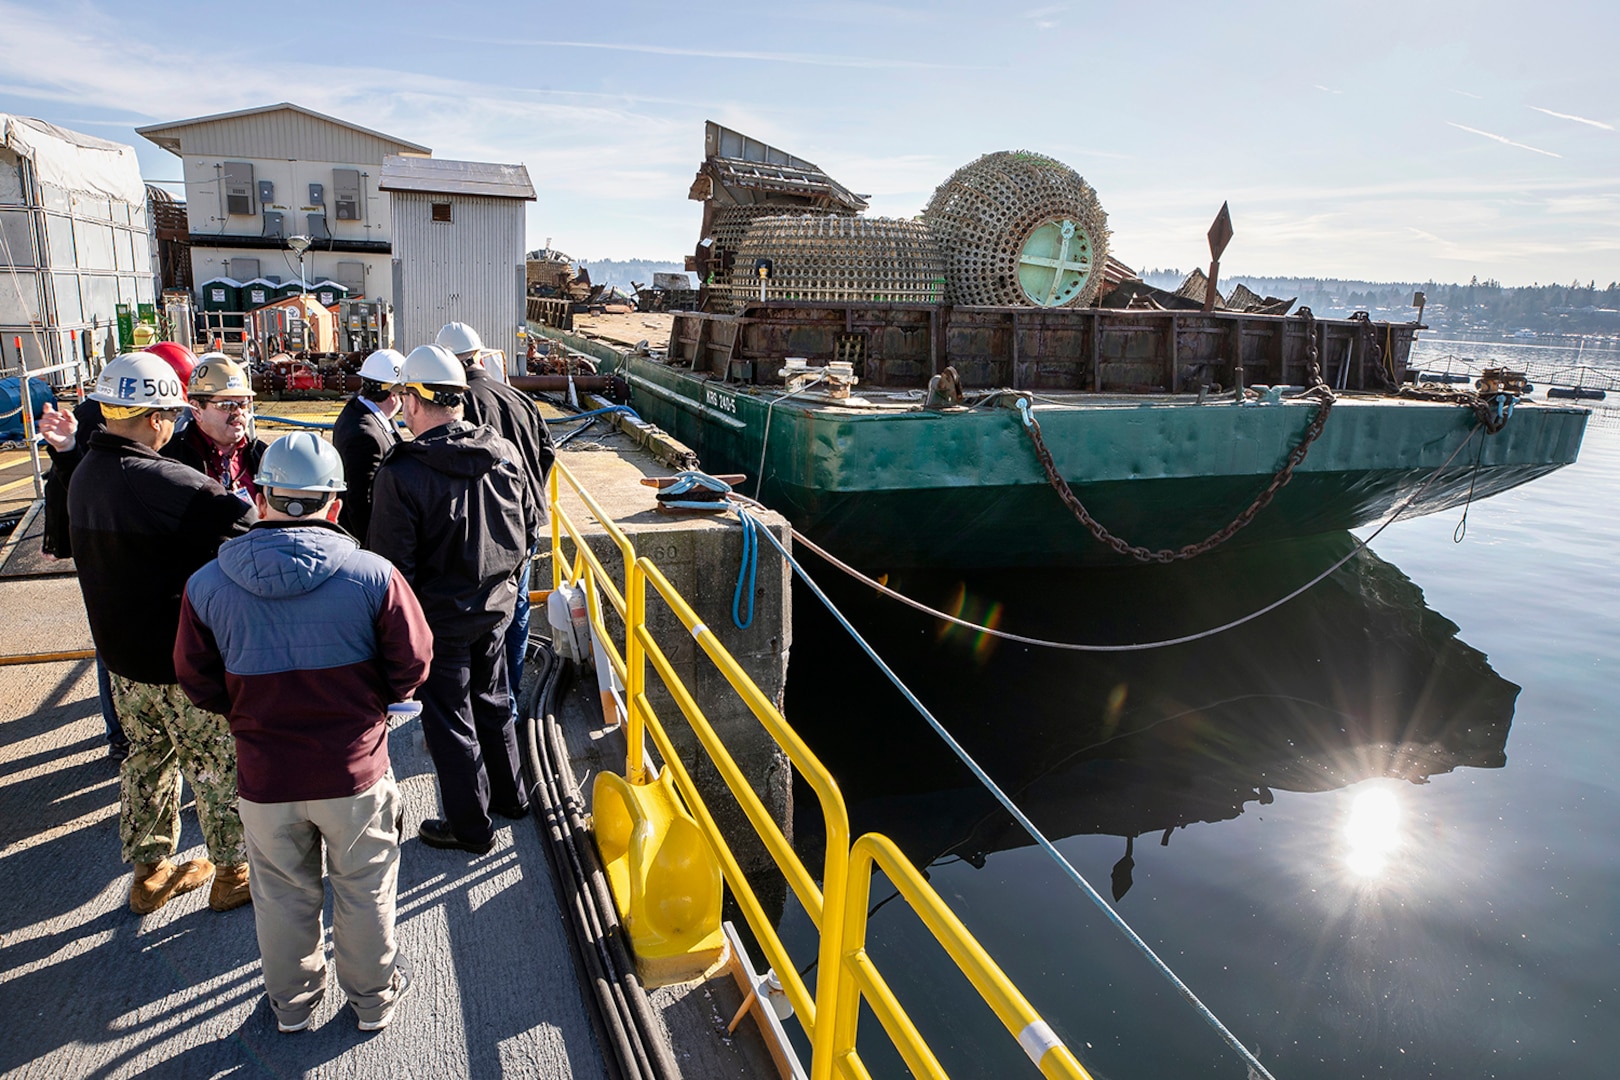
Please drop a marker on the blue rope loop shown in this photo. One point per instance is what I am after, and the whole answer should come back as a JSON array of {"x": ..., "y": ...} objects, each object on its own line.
[
  {"x": 690, "y": 480},
  {"x": 627, "y": 410},
  {"x": 748, "y": 569}
]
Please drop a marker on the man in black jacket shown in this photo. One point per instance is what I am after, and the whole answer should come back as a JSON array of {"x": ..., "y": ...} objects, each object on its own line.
[
  {"x": 453, "y": 510},
  {"x": 364, "y": 433},
  {"x": 512, "y": 413},
  {"x": 141, "y": 524}
]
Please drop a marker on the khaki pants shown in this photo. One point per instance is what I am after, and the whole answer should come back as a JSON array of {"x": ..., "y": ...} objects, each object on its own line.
[
  {"x": 168, "y": 737},
  {"x": 362, "y": 834}
]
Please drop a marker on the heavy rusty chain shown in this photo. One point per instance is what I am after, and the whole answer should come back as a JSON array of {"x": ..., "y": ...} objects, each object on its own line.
[
  {"x": 1491, "y": 421},
  {"x": 1261, "y": 501}
]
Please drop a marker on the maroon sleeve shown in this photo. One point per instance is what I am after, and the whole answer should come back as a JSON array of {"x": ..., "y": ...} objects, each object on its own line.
[
  {"x": 404, "y": 642},
  {"x": 197, "y": 663}
]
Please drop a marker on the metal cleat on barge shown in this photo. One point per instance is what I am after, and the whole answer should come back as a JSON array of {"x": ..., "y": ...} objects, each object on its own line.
[{"x": 986, "y": 385}]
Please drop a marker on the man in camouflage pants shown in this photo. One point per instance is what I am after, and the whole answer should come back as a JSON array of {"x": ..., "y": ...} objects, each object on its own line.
[
  {"x": 168, "y": 736},
  {"x": 141, "y": 524}
]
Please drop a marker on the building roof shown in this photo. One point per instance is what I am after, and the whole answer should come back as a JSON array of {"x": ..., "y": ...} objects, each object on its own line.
[
  {"x": 73, "y": 161},
  {"x": 438, "y": 176},
  {"x": 168, "y": 135}
]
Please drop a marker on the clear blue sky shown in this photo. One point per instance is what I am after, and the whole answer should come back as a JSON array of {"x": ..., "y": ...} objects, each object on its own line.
[{"x": 1389, "y": 141}]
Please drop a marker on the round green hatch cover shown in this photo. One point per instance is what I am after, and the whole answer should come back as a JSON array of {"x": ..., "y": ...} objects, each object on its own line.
[{"x": 1054, "y": 263}]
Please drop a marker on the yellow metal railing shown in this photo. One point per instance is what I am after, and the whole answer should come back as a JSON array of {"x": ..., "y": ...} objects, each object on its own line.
[{"x": 838, "y": 907}]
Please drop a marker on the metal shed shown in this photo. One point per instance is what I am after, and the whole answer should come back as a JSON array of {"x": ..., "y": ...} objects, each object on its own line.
[
  {"x": 458, "y": 232},
  {"x": 76, "y": 245}
]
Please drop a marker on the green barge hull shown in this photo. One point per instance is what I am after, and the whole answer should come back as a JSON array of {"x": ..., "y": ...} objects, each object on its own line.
[{"x": 883, "y": 482}]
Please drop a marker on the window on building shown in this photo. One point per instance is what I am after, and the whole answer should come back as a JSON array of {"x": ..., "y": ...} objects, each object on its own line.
[{"x": 441, "y": 211}]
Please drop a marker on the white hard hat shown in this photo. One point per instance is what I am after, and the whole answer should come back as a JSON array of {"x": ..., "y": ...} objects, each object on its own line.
[
  {"x": 459, "y": 338},
  {"x": 140, "y": 380},
  {"x": 302, "y": 461},
  {"x": 383, "y": 366},
  {"x": 431, "y": 366}
]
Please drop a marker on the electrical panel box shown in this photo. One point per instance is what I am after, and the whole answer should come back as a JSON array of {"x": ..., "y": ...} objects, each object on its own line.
[
  {"x": 317, "y": 194},
  {"x": 346, "y": 193},
  {"x": 316, "y": 227},
  {"x": 241, "y": 269},
  {"x": 238, "y": 178},
  {"x": 267, "y": 192},
  {"x": 273, "y": 224},
  {"x": 352, "y": 276}
]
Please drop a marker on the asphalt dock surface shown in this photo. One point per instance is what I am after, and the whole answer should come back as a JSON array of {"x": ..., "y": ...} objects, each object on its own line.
[{"x": 89, "y": 989}]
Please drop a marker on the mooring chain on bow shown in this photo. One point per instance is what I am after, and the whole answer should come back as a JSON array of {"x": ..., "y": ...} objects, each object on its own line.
[
  {"x": 1312, "y": 359},
  {"x": 1491, "y": 420},
  {"x": 1167, "y": 555}
]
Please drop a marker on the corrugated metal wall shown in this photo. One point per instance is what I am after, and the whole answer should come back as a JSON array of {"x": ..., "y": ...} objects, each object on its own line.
[
  {"x": 286, "y": 134},
  {"x": 469, "y": 269}
]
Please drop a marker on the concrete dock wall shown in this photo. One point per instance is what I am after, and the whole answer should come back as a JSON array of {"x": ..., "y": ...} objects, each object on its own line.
[{"x": 700, "y": 555}]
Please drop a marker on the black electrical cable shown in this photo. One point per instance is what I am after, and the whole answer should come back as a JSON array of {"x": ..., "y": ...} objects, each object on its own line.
[
  {"x": 618, "y": 946},
  {"x": 622, "y": 1015},
  {"x": 587, "y": 964},
  {"x": 632, "y": 1043}
]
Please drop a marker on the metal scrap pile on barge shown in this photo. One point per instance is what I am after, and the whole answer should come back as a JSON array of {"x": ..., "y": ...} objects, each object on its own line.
[{"x": 876, "y": 379}]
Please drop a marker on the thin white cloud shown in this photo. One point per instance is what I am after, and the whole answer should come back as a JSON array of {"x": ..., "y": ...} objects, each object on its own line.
[
  {"x": 1466, "y": 94},
  {"x": 1503, "y": 139},
  {"x": 1326, "y": 89},
  {"x": 1046, "y": 18},
  {"x": 812, "y": 59},
  {"x": 1572, "y": 116}
]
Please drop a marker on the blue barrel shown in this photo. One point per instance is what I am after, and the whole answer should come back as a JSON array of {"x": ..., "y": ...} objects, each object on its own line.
[{"x": 11, "y": 419}]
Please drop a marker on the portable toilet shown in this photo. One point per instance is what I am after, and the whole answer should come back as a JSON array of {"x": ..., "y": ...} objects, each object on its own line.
[
  {"x": 329, "y": 292},
  {"x": 222, "y": 294},
  {"x": 289, "y": 288},
  {"x": 257, "y": 293}
]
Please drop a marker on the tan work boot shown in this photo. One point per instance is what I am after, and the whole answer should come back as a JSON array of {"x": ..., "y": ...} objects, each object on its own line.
[
  {"x": 155, "y": 884},
  {"x": 230, "y": 888}
]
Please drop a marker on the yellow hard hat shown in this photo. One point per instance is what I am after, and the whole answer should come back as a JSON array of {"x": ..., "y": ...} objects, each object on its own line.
[{"x": 216, "y": 374}]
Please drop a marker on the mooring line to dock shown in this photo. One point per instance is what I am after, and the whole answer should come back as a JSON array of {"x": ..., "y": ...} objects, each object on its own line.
[
  {"x": 1255, "y": 1068},
  {"x": 1075, "y": 646}
]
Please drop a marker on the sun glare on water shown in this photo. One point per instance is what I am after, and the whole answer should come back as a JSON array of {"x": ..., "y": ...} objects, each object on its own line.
[{"x": 1372, "y": 832}]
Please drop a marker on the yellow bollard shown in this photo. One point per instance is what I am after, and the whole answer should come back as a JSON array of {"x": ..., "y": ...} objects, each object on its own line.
[{"x": 664, "y": 876}]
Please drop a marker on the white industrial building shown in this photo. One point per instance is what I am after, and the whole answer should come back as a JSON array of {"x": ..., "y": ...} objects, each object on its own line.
[
  {"x": 258, "y": 176},
  {"x": 459, "y": 237},
  {"x": 74, "y": 243}
]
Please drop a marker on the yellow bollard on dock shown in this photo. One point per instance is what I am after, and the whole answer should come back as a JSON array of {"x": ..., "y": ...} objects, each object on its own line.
[{"x": 664, "y": 876}]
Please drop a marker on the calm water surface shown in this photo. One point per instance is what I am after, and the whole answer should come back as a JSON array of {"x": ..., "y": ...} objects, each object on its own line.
[{"x": 1375, "y": 830}]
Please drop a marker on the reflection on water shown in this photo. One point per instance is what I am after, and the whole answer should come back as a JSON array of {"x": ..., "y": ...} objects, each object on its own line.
[
  {"x": 1346, "y": 697},
  {"x": 1372, "y": 832},
  {"x": 1355, "y": 679}
]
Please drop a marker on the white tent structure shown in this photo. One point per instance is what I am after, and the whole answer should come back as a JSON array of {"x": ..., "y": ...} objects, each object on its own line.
[{"x": 74, "y": 243}]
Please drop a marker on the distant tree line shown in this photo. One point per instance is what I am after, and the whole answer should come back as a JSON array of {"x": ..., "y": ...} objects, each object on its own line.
[{"x": 1484, "y": 306}]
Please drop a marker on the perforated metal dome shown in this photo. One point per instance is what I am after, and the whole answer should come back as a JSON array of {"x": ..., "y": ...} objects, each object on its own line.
[{"x": 1019, "y": 229}]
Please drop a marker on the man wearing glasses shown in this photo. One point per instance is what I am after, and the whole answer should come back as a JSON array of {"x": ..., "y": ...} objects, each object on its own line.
[
  {"x": 219, "y": 441},
  {"x": 141, "y": 524}
]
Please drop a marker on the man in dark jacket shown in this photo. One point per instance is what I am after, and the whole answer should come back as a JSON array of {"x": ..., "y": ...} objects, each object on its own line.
[
  {"x": 452, "y": 509},
  {"x": 141, "y": 525},
  {"x": 303, "y": 640},
  {"x": 512, "y": 413},
  {"x": 66, "y": 435},
  {"x": 364, "y": 433},
  {"x": 219, "y": 441}
]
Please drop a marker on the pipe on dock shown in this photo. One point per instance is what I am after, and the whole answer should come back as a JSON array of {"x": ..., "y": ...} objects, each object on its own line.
[{"x": 20, "y": 659}]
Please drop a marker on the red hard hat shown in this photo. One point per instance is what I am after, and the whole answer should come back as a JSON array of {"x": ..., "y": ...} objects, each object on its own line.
[{"x": 176, "y": 356}]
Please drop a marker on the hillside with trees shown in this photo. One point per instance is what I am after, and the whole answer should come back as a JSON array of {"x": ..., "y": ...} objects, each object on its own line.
[{"x": 1477, "y": 307}]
